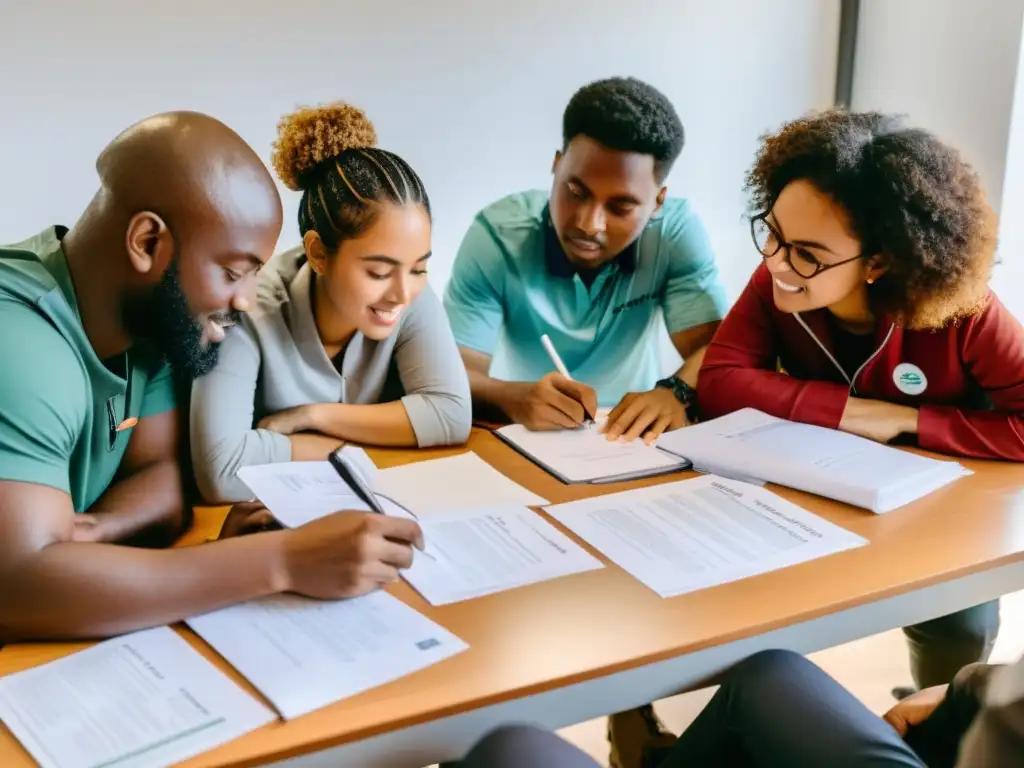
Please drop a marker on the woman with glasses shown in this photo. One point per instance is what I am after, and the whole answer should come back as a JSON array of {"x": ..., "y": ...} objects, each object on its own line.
[{"x": 871, "y": 314}]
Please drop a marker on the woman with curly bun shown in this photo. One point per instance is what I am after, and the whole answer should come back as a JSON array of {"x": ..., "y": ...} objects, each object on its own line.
[
  {"x": 873, "y": 299},
  {"x": 347, "y": 341}
]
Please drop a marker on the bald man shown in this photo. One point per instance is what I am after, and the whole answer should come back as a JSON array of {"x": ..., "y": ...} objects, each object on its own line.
[{"x": 93, "y": 320}]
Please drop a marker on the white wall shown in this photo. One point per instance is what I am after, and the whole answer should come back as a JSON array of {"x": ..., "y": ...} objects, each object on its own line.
[
  {"x": 950, "y": 66},
  {"x": 471, "y": 93},
  {"x": 1010, "y": 272}
]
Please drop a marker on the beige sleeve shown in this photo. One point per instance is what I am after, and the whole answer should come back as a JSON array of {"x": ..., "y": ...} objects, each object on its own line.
[
  {"x": 221, "y": 421},
  {"x": 433, "y": 375}
]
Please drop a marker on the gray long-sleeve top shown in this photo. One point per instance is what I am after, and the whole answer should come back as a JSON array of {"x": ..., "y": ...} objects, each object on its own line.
[{"x": 274, "y": 359}]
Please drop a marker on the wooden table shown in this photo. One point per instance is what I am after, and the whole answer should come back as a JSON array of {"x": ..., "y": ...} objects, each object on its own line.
[{"x": 578, "y": 647}]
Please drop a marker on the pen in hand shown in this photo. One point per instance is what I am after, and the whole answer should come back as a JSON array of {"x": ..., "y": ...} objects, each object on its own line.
[
  {"x": 560, "y": 367},
  {"x": 354, "y": 480}
]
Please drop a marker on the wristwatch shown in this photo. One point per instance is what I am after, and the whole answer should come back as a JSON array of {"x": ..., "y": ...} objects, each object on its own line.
[{"x": 684, "y": 393}]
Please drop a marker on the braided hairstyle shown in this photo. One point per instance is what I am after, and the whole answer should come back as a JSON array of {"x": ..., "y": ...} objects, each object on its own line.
[{"x": 329, "y": 154}]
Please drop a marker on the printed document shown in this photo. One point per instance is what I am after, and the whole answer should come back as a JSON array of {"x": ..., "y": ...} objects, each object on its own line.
[
  {"x": 304, "y": 654},
  {"x": 144, "y": 700},
  {"x": 470, "y": 552},
  {"x": 479, "y": 552},
  {"x": 827, "y": 462},
  {"x": 685, "y": 536}
]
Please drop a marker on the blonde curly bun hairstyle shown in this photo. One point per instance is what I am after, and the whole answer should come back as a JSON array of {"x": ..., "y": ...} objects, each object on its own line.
[
  {"x": 330, "y": 154},
  {"x": 313, "y": 135}
]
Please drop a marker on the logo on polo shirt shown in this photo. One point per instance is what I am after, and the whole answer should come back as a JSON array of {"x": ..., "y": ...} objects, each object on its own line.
[
  {"x": 909, "y": 379},
  {"x": 633, "y": 303}
]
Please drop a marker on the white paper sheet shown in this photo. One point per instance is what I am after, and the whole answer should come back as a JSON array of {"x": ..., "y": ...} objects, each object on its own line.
[
  {"x": 478, "y": 552},
  {"x": 469, "y": 552},
  {"x": 439, "y": 486},
  {"x": 143, "y": 700},
  {"x": 586, "y": 455},
  {"x": 297, "y": 492},
  {"x": 818, "y": 460},
  {"x": 685, "y": 536},
  {"x": 300, "y": 491},
  {"x": 304, "y": 654}
]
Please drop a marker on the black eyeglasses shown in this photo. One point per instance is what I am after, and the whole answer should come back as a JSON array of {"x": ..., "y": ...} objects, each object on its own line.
[{"x": 769, "y": 242}]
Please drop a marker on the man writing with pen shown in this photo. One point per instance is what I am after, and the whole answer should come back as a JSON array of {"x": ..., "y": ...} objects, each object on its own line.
[{"x": 589, "y": 267}]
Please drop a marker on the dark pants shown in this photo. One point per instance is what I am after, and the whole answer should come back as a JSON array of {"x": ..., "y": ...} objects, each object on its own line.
[
  {"x": 941, "y": 647},
  {"x": 523, "y": 746},
  {"x": 775, "y": 709}
]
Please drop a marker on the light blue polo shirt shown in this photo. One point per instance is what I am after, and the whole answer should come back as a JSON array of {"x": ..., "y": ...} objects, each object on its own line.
[{"x": 511, "y": 283}]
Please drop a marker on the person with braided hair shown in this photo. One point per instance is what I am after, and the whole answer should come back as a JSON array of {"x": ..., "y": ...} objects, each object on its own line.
[{"x": 346, "y": 341}]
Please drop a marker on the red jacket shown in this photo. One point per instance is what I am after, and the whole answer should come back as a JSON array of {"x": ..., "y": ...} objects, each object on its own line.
[{"x": 983, "y": 355}]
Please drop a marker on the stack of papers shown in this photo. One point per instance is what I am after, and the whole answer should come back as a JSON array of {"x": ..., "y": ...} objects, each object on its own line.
[
  {"x": 144, "y": 700},
  {"x": 826, "y": 462},
  {"x": 586, "y": 455},
  {"x": 470, "y": 552},
  {"x": 694, "y": 534},
  {"x": 304, "y": 654}
]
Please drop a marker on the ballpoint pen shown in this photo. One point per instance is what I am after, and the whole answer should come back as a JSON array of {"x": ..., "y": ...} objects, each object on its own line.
[
  {"x": 560, "y": 367},
  {"x": 353, "y": 480},
  {"x": 350, "y": 474}
]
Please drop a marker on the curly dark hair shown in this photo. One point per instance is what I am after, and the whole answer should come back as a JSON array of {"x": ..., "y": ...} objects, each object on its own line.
[
  {"x": 912, "y": 201},
  {"x": 628, "y": 115}
]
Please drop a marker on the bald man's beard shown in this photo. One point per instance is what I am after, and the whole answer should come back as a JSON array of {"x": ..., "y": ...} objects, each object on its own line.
[{"x": 164, "y": 319}]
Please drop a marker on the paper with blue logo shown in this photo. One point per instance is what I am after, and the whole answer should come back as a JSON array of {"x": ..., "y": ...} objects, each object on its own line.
[{"x": 304, "y": 654}]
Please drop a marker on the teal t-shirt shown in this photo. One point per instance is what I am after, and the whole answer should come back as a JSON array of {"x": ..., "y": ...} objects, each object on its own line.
[
  {"x": 511, "y": 283},
  {"x": 60, "y": 406}
]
